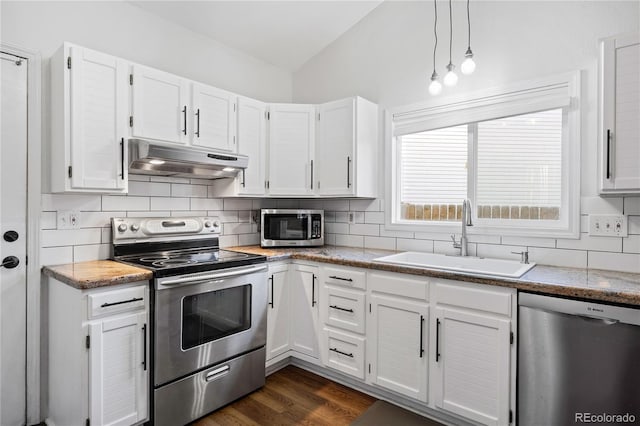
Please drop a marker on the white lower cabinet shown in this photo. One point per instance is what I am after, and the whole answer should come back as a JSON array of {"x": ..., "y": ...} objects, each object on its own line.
[
  {"x": 345, "y": 352},
  {"x": 98, "y": 355},
  {"x": 303, "y": 287},
  {"x": 278, "y": 316},
  {"x": 397, "y": 334},
  {"x": 472, "y": 373}
]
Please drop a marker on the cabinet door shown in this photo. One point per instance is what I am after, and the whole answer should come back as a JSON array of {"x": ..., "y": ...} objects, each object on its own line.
[
  {"x": 118, "y": 377},
  {"x": 398, "y": 345},
  {"x": 335, "y": 148},
  {"x": 303, "y": 287},
  {"x": 214, "y": 118},
  {"x": 472, "y": 365},
  {"x": 291, "y": 143},
  {"x": 98, "y": 120},
  {"x": 278, "y": 312},
  {"x": 252, "y": 139},
  {"x": 620, "y": 109},
  {"x": 160, "y": 105}
]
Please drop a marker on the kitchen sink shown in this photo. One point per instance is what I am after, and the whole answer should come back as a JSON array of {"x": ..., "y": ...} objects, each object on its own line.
[{"x": 466, "y": 264}]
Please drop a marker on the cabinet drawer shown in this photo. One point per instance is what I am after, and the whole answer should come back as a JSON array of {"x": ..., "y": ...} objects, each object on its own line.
[
  {"x": 345, "y": 353},
  {"x": 399, "y": 285},
  {"x": 115, "y": 301},
  {"x": 488, "y": 299},
  {"x": 344, "y": 277},
  {"x": 345, "y": 309}
]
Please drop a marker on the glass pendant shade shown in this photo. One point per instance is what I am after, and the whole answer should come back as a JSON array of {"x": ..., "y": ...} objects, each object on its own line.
[
  {"x": 468, "y": 65},
  {"x": 450, "y": 78},
  {"x": 435, "y": 87}
]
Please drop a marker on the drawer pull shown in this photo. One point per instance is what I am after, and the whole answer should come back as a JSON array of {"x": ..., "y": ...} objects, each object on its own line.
[
  {"x": 340, "y": 309},
  {"x": 212, "y": 375},
  {"x": 340, "y": 352},
  {"x": 135, "y": 299},
  {"x": 340, "y": 278}
]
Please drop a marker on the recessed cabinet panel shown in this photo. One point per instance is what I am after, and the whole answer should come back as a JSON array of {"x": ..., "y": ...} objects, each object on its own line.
[
  {"x": 304, "y": 290},
  {"x": 472, "y": 368},
  {"x": 213, "y": 118},
  {"x": 291, "y": 144},
  {"x": 619, "y": 112},
  {"x": 336, "y": 148},
  {"x": 160, "y": 105},
  {"x": 252, "y": 142},
  {"x": 278, "y": 316}
]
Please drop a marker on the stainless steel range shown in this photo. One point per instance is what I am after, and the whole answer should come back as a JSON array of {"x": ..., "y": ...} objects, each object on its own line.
[{"x": 209, "y": 314}]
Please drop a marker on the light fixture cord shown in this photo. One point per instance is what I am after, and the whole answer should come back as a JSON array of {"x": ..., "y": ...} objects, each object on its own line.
[
  {"x": 468, "y": 27},
  {"x": 435, "y": 32},
  {"x": 450, "y": 32}
]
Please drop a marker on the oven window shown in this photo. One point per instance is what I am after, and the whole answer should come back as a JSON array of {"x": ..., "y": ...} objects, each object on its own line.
[
  {"x": 285, "y": 227},
  {"x": 214, "y": 315}
]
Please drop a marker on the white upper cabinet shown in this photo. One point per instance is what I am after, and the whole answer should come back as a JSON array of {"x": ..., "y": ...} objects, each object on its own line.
[
  {"x": 346, "y": 150},
  {"x": 89, "y": 114},
  {"x": 214, "y": 118},
  {"x": 252, "y": 141},
  {"x": 291, "y": 148},
  {"x": 619, "y": 115},
  {"x": 160, "y": 105}
]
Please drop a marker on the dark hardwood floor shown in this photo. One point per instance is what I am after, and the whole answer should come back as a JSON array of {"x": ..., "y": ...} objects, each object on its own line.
[{"x": 293, "y": 396}]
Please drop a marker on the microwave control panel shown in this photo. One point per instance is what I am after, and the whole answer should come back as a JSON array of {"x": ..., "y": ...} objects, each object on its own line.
[{"x": 316, "y": 228}]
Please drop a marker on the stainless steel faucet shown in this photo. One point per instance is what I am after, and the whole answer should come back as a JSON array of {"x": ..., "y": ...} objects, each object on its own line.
[{"x": 466, "y": 221}]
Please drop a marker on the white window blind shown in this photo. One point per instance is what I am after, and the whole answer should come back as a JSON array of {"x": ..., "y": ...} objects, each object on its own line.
[
  {"x": 519, "y": 160},
  {"x": 433, "y": 166}
]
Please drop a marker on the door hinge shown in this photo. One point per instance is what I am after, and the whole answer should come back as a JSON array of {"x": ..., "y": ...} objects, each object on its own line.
[
  {"x": 318, "y": 116},
  {"x": 131, "y": 121},
  {"x": 87, "y": 422},
  {"x": 369, "y": 307},
  {"x": 70, "y": 171},
  {"x": 234, "y": 140},
  {"x": 234, "y": 107},
  {"x": 69, "y": 62},
  {"x": 369, "y": 368},
  {"x": 131, "y": 79},
  {"x": 87, "y": 342},
  {"x": 268, "y": 116},
  {"x": 26, "y": 260},
  {"x": 511, "y": 338},
  {"x": 510, "y": 416}
]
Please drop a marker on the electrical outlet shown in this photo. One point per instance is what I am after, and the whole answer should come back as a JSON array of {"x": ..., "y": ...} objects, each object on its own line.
[
  {"x": 68, "y": 219},
  {"x": 608, "y": 225},
  {"x": 351, "y": 218}
]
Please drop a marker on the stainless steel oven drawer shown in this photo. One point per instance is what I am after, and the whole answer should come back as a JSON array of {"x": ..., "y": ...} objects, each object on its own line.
[{"x": 194, "y": 396}]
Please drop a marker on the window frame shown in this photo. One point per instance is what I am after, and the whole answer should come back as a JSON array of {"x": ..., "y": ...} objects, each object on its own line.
[{"x": 561, "y": 91}]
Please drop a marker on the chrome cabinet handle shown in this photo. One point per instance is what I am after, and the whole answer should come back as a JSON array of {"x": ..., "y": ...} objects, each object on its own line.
[
  {"x": 311, "y": 174},
  {"x": 197, "y": 132},
  {"x": 348, "y": 172},
  {"x": 184, "y": 113}
]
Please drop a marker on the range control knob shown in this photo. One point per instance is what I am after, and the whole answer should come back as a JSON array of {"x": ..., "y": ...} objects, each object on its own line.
[
  {"x": 216, "y": 224},
  {"x": 134, "y": 228},
  {"x": 207, "y": 224},
  {"x": 122, "y": 227}
]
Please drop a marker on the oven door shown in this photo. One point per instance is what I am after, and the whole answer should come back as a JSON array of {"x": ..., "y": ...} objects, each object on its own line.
[{"x": 205, "y": 318}]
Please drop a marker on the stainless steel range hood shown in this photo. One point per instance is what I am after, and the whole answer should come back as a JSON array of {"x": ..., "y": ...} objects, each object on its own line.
[{"x": 151, "y": 158}]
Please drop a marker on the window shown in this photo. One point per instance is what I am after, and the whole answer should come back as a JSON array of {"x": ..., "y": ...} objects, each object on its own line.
[{"x": 515, "y": 155}]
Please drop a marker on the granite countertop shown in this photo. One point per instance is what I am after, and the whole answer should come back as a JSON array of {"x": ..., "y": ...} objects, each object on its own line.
[
  {"x": 601, "y": 285},
  {"x": 98, "y": 273}
]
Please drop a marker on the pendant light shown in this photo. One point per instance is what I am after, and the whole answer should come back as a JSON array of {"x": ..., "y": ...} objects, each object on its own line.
[
  {"x": 450, "y": 78},
  {"x": 435, "y": 87},
  {"x": 468, "y": 66}
]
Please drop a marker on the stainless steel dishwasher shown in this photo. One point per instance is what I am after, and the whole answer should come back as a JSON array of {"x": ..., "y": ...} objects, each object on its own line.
[{"x": 578, "y": 362}]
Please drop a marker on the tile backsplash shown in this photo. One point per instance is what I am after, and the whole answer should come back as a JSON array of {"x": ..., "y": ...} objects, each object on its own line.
[{"x": 161, "y": 196}]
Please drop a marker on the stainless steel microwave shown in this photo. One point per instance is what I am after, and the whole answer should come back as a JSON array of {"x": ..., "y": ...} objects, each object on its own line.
[{"x": 291, "y": 228}]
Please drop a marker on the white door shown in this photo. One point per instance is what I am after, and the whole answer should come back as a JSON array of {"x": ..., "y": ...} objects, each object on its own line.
[
  {"x": 397, "y": 341},
  {"x": 472, "y": 370},
  {"x": 303, "y": 287},
  {"x": 214, "y": 115},
  {"x": 160, "y": 105},
  {"x": 118, "y": 373},
  {"x": 99, "y": 97},
  {"x": 13, "y": 210},
  {"x": 252, "y": 135},
  {"x": 335, "y": 148},
  {"x": 291, "y": 143},
  {"x": 278, "y": 312}
]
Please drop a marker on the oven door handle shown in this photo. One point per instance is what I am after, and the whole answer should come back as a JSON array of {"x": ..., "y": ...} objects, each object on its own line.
[{"x": 214, "y": 276}]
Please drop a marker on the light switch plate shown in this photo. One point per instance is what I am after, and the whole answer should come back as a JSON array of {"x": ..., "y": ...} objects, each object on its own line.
[
  {"x": 608, "y": 225},
  {"x": 68, "y": 219},
  {"x": 351, "y": 218}
]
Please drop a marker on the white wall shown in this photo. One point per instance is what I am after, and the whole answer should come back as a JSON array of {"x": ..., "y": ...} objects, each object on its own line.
[{"x": 387, "y": 58}]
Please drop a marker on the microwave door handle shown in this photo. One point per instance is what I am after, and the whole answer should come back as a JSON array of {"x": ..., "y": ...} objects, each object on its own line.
[{"x": 309, "y": 223}]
